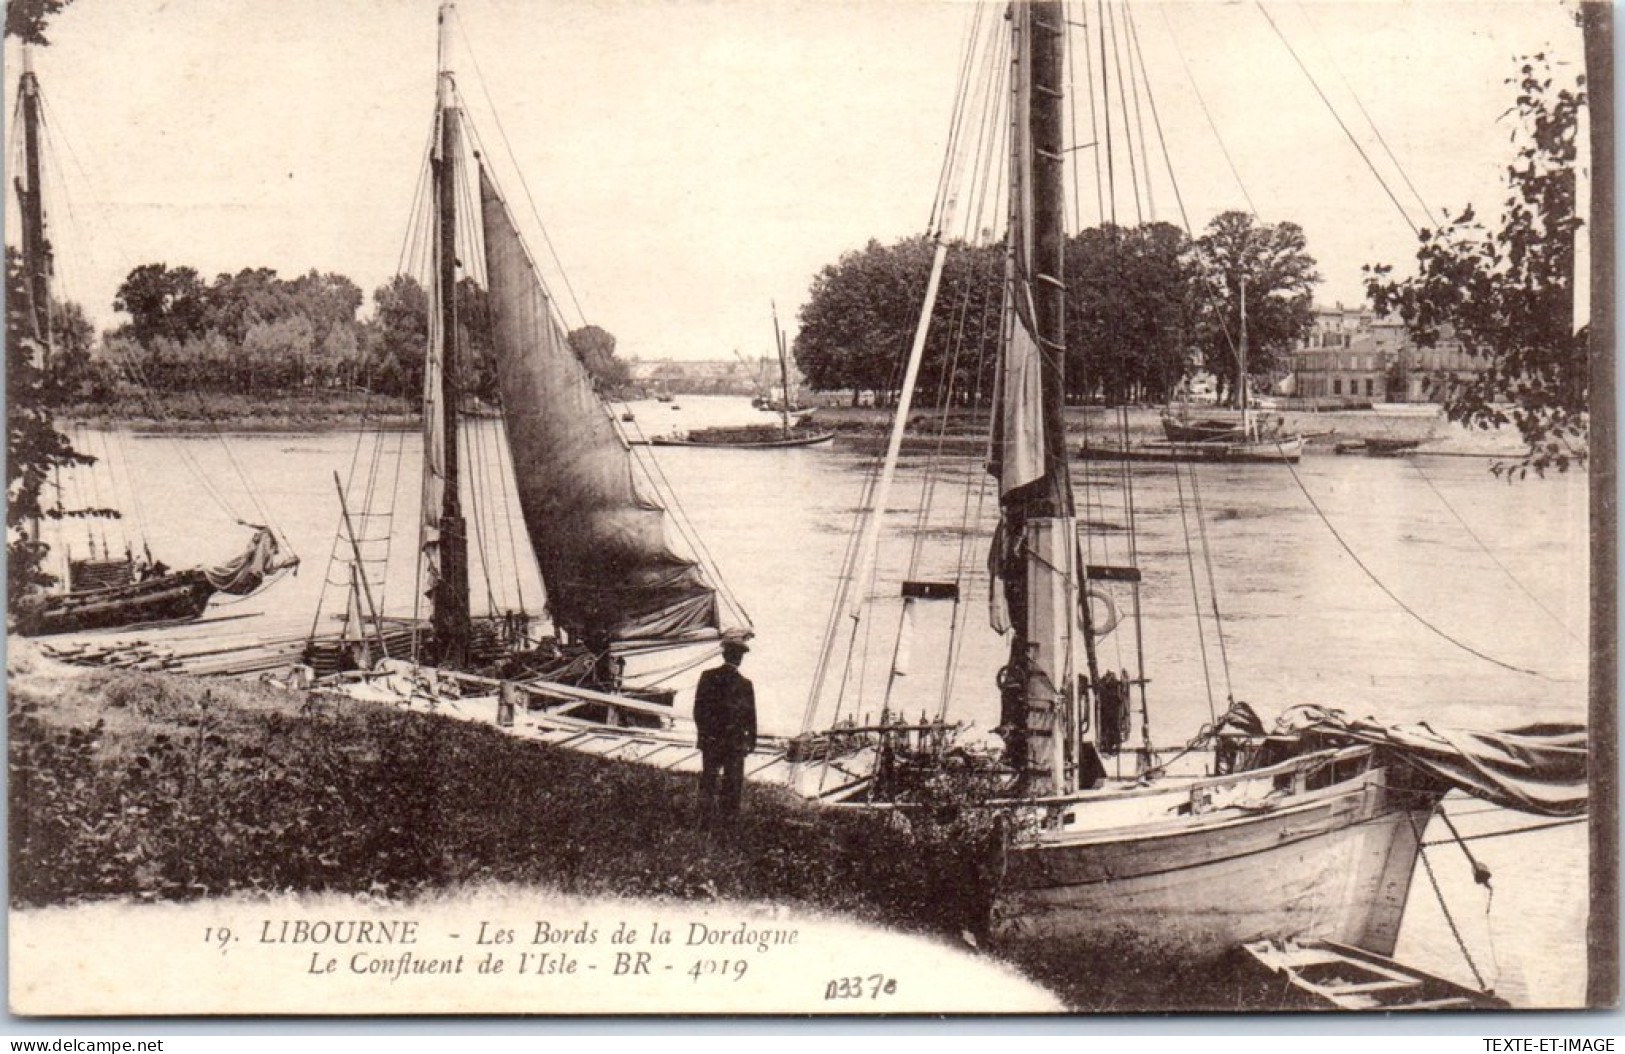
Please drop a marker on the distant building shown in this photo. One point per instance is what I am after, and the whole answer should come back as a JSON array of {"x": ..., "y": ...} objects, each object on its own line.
[
  {"x": 1351, "y": 356},
  {"x": 1422, "y": 373},
  {"x": 711, "y": 376},
  {"x": 1339, "y": 360}
]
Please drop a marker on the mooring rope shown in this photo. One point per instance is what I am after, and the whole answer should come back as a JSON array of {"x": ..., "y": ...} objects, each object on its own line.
[{"x": 1450, "y": 920}]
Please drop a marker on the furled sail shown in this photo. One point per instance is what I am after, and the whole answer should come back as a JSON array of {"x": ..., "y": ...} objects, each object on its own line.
[
  {"x": 1018, "y": 424},
  {"x": 1018, "y": 453},
  {"x": 1540, "y": 769},
  {"x": 246, "y": 572},
  {"x": 600, "y": 543}
]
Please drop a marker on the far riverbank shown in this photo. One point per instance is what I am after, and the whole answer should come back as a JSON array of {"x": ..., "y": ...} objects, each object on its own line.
[
  {"x": 300, "y": 412},
  {"x": 865, "y": 428},
  {"x": 861, "y": 428}
]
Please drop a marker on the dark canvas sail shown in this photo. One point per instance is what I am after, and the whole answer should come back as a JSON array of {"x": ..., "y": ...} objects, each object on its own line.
[{"x": 600, "y": 543}]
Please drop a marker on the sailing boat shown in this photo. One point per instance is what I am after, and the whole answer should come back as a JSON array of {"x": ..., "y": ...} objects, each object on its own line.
[
  {"x": 1218, "y": 439},
  {"x": 1254, "y": 440},
  {"x": 1311, "y": 830},
  {"x": 1243, "y": 439},
  {"x": 110, "y": 592},
  {"x": 616, "y": 588}
]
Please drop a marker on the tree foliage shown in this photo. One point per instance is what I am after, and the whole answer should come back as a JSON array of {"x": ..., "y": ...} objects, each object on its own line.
[
  {"x": 26, "y": 19},
  {"x": 1139, "y": 301},
  {"x": 252, "y": 330},
  {"x": 595, "y": 347},
  {"x": 162, "y": 302},
  {"x": 1131, "y": 300},
  {"x": 859, "y": 319},
  {"x": 398, "y": 336},
  {"x": 1272, "y": 263},
  {"x": 1507, "y": 294}
]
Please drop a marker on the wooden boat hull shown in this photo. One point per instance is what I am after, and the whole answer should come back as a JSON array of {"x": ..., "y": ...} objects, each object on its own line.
[
  {"x": 1379, "y": 447},
  {"x": 174, "y": 597},
  {"x": 1178, "y": 431},
  {"x": 1333, "y": 864},
  {"x": 746, "y": 444},
  {"x": 1285, "y": 450},
  {"x": 1325, "y": 975}
]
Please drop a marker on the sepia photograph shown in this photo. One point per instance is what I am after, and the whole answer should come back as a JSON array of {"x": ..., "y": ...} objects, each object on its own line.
[{"x": 810, "y": 507}]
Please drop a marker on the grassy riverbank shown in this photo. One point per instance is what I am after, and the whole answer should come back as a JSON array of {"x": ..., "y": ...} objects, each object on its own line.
[{"x": 159, "y": 788}]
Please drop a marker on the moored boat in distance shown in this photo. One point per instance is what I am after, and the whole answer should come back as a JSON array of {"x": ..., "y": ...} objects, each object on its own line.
[
  {"x": 1380, "y": 447},
  {"x": 743, "y": 437},
  {"x": 1254, "y": 451},
  {"x": 109, "y": 592},
  {"x": 1178, "y": 430},
  {"x": 795, "y": 429}
]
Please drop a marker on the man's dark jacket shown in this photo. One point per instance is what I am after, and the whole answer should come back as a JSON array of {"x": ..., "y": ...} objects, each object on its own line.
[{"x": 725, "y": 711}]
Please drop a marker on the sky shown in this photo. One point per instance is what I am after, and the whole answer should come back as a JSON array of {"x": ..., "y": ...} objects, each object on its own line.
[{"x": 695, "y": 163}]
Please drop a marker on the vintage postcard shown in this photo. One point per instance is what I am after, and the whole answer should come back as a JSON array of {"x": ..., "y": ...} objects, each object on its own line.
[{"x": 812, "y": 507}]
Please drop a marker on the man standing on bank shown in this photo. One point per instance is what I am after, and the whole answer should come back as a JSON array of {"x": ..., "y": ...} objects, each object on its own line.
[{"x": 725, "y": 711}]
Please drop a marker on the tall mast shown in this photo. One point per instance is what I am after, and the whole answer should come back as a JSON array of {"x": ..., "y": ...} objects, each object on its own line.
[
  {"x": 37, "y": 265},
  {"x": 1038, "y": 560},
  {"x": 451, "y": 609},
  {"x": 1246, "y": 430},
  {"x": 784, "y": 374}
]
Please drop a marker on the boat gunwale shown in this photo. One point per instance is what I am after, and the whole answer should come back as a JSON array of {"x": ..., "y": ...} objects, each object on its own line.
[
  {"x": 1217, "y": 820},
  {"x": 1176, "y": 785}
]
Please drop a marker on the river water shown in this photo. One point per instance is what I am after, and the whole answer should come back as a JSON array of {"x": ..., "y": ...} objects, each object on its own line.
[{"x": 1409, "y": 589}]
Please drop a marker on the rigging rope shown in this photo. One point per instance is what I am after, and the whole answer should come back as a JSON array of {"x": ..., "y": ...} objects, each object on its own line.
[
  {"x": 1381, "y": 139},
  {"x": 1106, "y": 109},
  {"x": 1122, "y": 104},
  {"x": 1525, "y": 829},
  {"x": 860, "y": 566},
  {"x": 1094, "y": 118},
  {"x": 513, "y": 160},
  {"x": 1212, "y": 586},
  {"x": 473, "y": 462},
  {"x": 1338, "y": 118},
  {"x": 53, "y": 147},
  {"x": 1139, "y": 121},
  {"x": 1493, "y": 559},
  {"x": 1361, "y": 564},
  {"x": 120, "y": 439},
  {"x": 505, "y": 473},
  {"x": 1196, "y": 599},
  {"x": 1206, "y": 113}
]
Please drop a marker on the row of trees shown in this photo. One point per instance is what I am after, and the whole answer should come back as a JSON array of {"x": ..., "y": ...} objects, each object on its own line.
[
  {"x": 254, "y": 331},
  {"x": 1144, "y": 306},
  {"x": 249, "y": 331}
]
